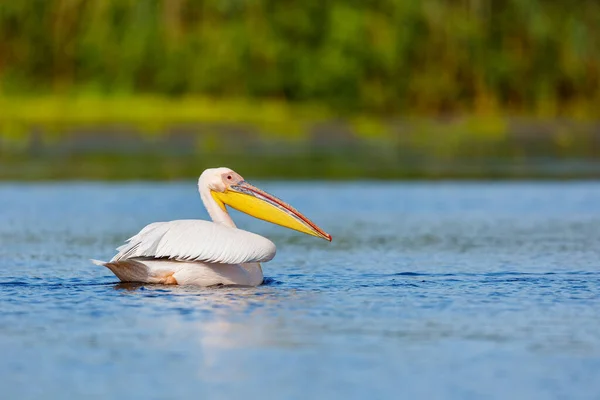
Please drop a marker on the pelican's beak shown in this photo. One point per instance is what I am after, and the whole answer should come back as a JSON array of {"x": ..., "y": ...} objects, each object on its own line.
[{"x": 251, "y": 200}]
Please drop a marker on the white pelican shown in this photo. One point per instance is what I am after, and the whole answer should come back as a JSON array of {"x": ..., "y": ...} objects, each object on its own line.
[{"x": 203, "y": 253}]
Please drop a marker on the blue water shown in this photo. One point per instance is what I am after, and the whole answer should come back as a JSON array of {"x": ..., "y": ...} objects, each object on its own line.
[{"x": 428, "y": 290}]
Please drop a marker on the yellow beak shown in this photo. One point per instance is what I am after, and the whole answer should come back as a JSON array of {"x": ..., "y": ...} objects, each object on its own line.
[{"x": 251, "y": 200}]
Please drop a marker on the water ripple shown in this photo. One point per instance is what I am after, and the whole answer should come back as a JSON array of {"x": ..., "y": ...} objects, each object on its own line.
[{"x": 482, "y": 288}]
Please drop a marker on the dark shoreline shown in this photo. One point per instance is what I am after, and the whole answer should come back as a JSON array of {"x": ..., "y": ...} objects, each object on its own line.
[{"x": 429, "y": 149}]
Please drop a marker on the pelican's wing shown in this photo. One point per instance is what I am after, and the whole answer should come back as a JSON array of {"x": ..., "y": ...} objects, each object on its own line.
[{"x": 197, "y": 240}]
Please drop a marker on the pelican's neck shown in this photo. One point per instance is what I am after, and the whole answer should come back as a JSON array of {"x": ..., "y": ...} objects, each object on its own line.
[
  {"x": 217, "y": 214},
  {"x": 220, "y": 216}
]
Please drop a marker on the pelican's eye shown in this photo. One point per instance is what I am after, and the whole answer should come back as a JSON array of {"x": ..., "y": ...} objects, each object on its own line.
[{"x": 229, "y": 177}]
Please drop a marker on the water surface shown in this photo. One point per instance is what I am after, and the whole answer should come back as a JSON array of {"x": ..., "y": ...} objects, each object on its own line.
[{"x": 428, "y": 290}]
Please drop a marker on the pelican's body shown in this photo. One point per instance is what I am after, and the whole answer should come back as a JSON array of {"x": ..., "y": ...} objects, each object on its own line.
[{"x": 203, "y": 253}]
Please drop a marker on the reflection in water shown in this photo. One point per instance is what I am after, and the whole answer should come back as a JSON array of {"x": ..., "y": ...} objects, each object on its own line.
[{"x": 129, "y": 286}]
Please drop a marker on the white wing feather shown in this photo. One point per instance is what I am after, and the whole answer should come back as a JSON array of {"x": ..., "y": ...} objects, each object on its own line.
[{"x": 197, "y": 240}]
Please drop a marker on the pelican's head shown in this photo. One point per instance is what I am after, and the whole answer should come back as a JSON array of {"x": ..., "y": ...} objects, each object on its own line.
[{"x": 227, "y": 187}]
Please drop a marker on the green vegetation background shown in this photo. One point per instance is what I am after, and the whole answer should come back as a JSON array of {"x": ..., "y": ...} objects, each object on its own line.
[
  {"x": 384, "y": 56},
  {"x": 286, "y": 67}
]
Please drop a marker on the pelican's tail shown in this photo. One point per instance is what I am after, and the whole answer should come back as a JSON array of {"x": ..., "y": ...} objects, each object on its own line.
[{"x": 130, "y": 270}]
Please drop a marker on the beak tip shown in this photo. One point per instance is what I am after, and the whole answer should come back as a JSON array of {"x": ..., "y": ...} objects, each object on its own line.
[{"x": 327, "y": 237}]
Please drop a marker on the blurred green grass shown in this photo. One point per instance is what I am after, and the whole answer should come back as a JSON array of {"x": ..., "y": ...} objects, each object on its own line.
[
  {"x": 388, "y": 57},
  {"x": 159, "y": 138},
  {"x": 159, "y": 89}
]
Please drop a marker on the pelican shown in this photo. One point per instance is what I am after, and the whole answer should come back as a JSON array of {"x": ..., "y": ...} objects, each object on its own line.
[{"x": 203, "y": 253}]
